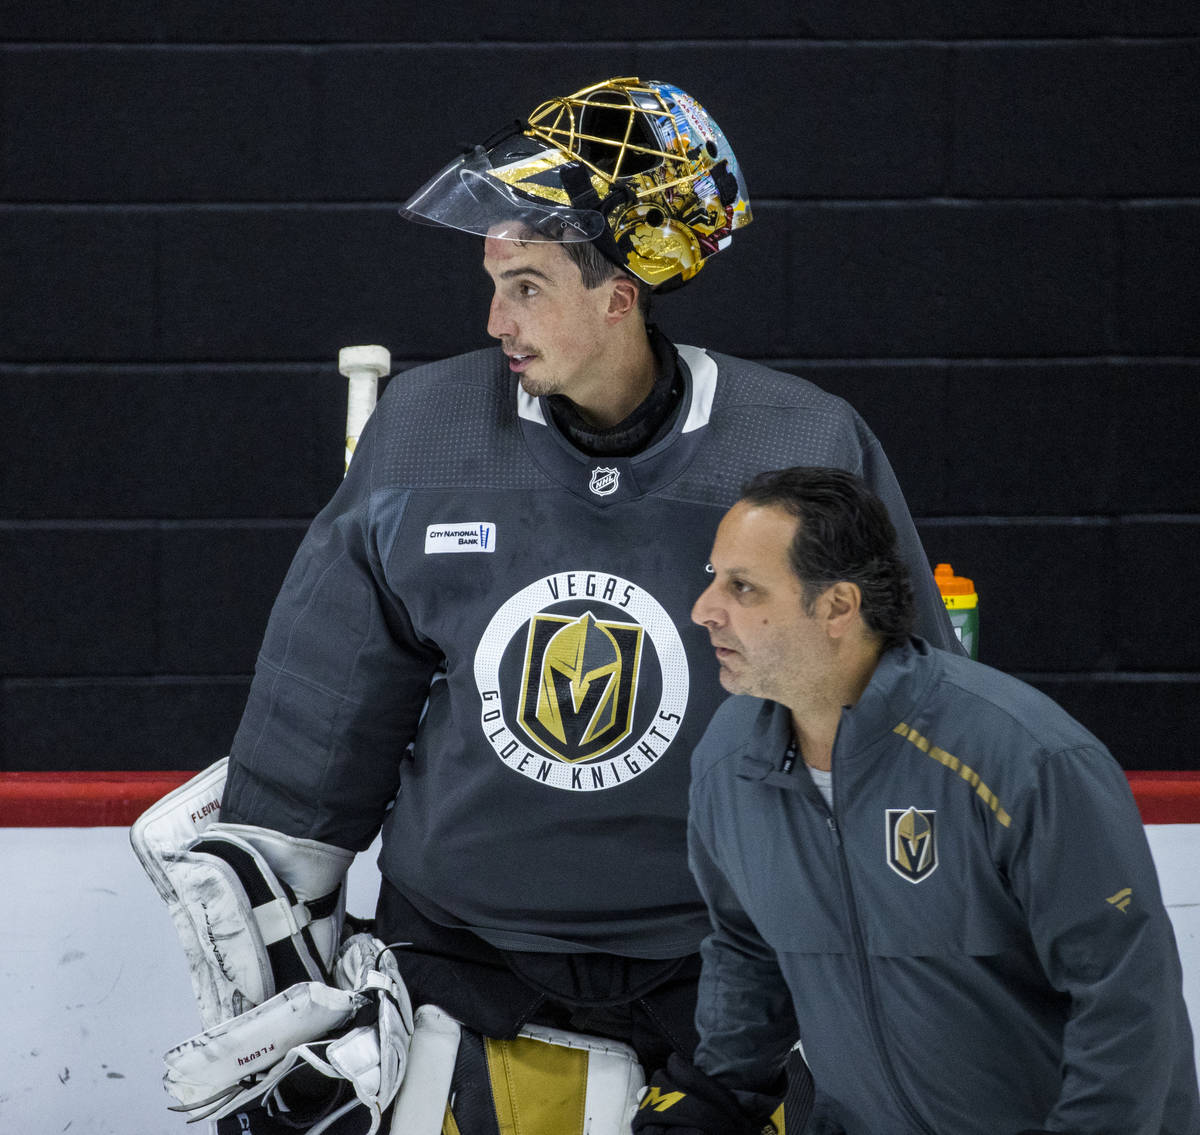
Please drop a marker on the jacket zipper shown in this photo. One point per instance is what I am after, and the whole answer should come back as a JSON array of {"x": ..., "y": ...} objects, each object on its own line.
[{"x": 864, "y": 969}]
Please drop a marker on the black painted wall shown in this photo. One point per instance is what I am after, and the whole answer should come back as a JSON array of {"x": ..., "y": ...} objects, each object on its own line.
[{"x": 979, "y": 223}]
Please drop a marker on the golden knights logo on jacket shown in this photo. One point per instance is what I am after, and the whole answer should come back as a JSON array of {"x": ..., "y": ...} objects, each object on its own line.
[
  {"x": 582, "y": 680},
  {"x": 912, "y": 843}
]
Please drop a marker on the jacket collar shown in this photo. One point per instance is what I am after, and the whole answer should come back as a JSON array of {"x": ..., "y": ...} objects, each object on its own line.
[{"x": 899, "y": 683}]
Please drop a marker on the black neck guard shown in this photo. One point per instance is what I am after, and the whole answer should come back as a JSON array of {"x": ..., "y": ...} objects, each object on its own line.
[{"x": 636, "y": 433}]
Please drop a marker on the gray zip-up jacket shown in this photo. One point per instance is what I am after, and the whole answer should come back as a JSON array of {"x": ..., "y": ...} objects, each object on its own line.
[{"x": 972, "y": 941}]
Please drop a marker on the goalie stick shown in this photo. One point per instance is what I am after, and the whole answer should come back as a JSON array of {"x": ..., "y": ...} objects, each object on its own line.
[{"x": 363, "y": 368}]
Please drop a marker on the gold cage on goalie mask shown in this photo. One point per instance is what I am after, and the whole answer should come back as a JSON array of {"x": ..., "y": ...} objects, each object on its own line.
[
  {"x": 683, "y": 193},
  {"x": 627, "y": 149}
]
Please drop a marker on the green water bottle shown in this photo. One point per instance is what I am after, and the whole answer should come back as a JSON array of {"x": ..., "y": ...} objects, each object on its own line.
[{"x": 958, "y": 593}]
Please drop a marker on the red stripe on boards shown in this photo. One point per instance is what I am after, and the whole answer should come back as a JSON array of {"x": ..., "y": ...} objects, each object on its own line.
[{"x": 116, "y": 799}]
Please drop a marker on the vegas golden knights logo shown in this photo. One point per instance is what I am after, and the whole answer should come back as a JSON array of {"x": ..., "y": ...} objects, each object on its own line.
[
  {"x": 912, "y": 843},
  {"x": 579, "y": 684},
  {"x": 583, "y": 681}
]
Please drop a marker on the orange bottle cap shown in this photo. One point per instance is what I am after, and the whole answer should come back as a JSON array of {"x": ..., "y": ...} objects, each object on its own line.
[{"x": 957, "y": 590}]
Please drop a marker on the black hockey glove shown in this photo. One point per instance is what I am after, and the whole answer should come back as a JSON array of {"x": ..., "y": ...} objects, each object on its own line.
[{"x": 682, "y": 1100}]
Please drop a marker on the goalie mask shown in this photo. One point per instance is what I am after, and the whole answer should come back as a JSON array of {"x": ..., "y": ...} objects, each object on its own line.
[{"x": 638, "y": 168}]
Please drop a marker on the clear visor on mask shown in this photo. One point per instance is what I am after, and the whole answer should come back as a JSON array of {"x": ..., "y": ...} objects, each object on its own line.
[{"x": 467, "y": 195}]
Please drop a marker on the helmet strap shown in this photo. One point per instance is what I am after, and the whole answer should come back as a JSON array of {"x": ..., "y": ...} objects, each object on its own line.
[
  {"x": 578, "y": 184},
  {"x": 511, "y": 130}
]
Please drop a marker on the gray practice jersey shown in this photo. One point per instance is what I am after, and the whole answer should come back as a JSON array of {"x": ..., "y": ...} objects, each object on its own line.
[{"x": 484, "y": 645}]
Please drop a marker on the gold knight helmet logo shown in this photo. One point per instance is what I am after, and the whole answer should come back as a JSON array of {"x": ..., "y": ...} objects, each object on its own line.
[
  {"x": 912, "y": 843},
  {"x": 580, "y": 680}
]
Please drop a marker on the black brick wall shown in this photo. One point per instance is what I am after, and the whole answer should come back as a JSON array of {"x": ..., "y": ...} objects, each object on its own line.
[{"x": 981, "y": 225}]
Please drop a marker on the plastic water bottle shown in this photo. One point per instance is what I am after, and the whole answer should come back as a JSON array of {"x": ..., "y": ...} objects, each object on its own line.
[{"x": 958, "y": 593}]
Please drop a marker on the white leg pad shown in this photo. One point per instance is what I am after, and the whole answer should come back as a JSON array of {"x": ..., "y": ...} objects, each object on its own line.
[
  {"x": 614, "y": 1077},
  {"x": 613, "y": 1081},
  {"x": 421, "y": 1104}
]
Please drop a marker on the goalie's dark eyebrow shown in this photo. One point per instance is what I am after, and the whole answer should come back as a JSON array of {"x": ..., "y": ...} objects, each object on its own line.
[{"x": 510, "y": 273}]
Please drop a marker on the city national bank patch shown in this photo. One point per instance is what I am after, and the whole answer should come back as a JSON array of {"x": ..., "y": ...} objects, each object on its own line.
[
  {"x": 460, "y": 536},
  {"x": 583, "y": 681}
]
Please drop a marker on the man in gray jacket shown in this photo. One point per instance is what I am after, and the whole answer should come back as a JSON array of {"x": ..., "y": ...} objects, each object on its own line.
[{"x": 923, "y": 869}]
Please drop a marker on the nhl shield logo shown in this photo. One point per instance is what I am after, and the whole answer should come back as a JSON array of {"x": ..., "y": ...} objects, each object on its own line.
[
  {"x": 604, "y": 480},
  {"x": 912, "y": 843}
]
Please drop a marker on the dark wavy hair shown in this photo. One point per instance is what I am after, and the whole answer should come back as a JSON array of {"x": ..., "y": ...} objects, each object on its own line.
[
  {"x": 595, "y": 268},
  {"x": 846, "y": 534}
]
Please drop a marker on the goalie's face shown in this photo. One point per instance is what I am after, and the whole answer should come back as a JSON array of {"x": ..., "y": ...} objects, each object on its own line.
[{"x": 556, "y": 332}]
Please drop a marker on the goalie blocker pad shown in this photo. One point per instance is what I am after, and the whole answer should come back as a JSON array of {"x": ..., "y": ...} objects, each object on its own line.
[{"x": 256, "y": 911}]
